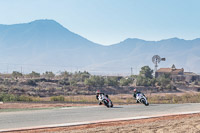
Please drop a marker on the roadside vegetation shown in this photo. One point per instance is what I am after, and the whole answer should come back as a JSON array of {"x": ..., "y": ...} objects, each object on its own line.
[
  {"x": 117, "y": 99},
  {"x": 70, "y": 87}
]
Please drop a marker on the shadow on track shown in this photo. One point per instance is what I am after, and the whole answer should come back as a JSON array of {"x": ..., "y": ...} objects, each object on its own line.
[
  {"x": 117, "y": 107},
  {"x": 153, "y": 105}
]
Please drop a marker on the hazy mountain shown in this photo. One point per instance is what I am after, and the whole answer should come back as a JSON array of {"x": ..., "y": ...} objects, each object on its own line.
[
  {"x": 46, "y": 45},
  {"x": 45, "y": 42}
]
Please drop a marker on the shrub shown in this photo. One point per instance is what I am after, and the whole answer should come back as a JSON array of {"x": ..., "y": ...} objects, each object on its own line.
[
  {"x": 34, "y": 75},
  {"x": 111, "y": 81},
  {"x": 16, "y": 74},
  {"x": 25, "y": 98},
  {"x": 31, "y": 82},
  {"x": 12, "y": 98},
  {"x": 165, "y": 81},
  {"x": 7, "y": 97},
  {"x": 65, "y": 74},
  {"x": 49, "y": 75},
  {"x": 73, "y": 82},
  {"x": 63, "y": 82},
  {"x": 57, "y": 98},
  {"x": 125, "y": 82},
  {"x": 95, "y": 81}
]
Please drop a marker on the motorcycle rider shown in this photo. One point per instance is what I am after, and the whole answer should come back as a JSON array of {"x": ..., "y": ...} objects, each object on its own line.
[
  {"x": 135, "y": 94},
  {"x": 97, "y": 96}
]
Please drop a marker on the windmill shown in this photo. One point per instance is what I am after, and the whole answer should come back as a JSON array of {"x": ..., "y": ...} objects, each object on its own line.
[{"x": 156, "y": 60}]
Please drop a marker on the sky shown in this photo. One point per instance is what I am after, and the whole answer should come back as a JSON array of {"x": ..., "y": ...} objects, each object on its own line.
[{"x": 111, "y": 21}]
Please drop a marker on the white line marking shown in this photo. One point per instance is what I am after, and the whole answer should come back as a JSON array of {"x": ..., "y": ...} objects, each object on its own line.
[{"x": 79, "y": 107}]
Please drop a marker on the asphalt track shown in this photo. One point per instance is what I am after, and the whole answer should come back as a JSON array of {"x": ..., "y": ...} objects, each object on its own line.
[{"x": 84, "y": 115}]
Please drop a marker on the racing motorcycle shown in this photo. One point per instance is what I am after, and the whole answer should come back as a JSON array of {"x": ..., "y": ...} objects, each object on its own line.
[
  {"x": 104, "y": 99},
  {"x": 140, "y": 97}
]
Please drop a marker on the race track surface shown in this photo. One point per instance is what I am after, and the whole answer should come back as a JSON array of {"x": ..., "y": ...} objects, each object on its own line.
[{"x": 80, "y": 115}]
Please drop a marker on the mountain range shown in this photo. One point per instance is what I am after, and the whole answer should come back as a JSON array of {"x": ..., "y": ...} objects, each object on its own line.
[{"x": 44, "y": 45}]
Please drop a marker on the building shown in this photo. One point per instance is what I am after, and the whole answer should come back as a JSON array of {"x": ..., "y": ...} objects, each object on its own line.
[
  {"x": 190, "y": 77},
  {"x": 178, "y": 74}
]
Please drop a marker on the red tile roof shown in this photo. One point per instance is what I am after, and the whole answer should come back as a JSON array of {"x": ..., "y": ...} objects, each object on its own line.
[
  {"x": 164, "y": 70},
  {"x": 170, "y": 70}
]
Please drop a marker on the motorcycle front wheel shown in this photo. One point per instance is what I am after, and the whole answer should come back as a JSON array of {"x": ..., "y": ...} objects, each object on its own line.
[{"x": 106, "y": 104}]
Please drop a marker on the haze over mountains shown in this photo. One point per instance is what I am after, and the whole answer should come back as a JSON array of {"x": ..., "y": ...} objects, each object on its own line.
[{"x": 46, "y": 45}]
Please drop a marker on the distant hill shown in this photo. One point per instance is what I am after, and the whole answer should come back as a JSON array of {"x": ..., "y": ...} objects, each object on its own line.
[{"x": 46, "y": 45}]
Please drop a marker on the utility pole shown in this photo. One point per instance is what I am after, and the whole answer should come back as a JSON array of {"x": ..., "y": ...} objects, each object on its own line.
[
  {"x": 7, "y": 68},
  {"x": 131, "y": 71},
  {"x": 21, "y": 70}
]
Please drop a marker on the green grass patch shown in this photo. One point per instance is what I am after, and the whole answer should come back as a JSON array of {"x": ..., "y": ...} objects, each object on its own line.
[{"x": 25, "y": 109}]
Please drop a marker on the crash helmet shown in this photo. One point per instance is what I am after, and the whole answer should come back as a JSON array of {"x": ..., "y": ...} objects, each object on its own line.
[
  {"x": 135, "y": 90},
  {"x": 98, "y": 91}
]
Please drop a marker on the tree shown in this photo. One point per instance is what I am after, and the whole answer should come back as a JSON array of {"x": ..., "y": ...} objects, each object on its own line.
[
  {"x": 164, "y": 81},
  {"x": 16, "y": 74},
  {"x": 85, "y": 75},
  {"x": 95, "y": 81},
  {"x": 145, "y": 78},
  {"x": 81, "y": 76},
  {"x": 111, "y": 81},
  {"x": 34, "y": 75},
  {"x": 73, "y": 81},
  {"x": 143, "y": 81},
  {"x": 65, "y": 74},
  {"x": 146, "y": 72},
  {"x": 49, "y": 75},
  {"x": 125, "y": 82}
]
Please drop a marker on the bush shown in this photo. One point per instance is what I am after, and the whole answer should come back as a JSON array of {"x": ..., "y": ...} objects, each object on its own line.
[
  {"x": 73, "y": 81},
  {"x": 16, "y": 74},
  {"x": 196, "y": 83},
  {"x": 7, "y": 97},
  {"x": 11, "y": 98},
  {"x": 57, "y": 98},
  {"x": 165, "y": 81},
  {"x": 49, "y": 75},
  {"x": 25, "y": 98},
  {"x": 34, "y": 75},
  {"x": 7, "y": 82},
  {"x": 125, "y": 82},
  {"x": 63, "y": 82},
  {"x": 95, "y": 81},
  {"x": 31, "y": 82},
  {"x": 65, "y": 74},
  {"x": 144, "y": 81},
  {"x": 111, "y": 81}
]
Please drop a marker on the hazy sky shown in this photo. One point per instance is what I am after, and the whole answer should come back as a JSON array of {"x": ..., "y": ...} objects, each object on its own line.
[{"x": 111, "y": 21}]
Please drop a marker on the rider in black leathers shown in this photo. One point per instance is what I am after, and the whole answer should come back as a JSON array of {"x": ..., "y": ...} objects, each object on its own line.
[
  {"x": 97, "y": 96},
  {"x": 135, "y": 93}
]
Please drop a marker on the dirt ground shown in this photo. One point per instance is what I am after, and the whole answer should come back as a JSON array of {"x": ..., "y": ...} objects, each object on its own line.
[{"x": 168, "y": 124}]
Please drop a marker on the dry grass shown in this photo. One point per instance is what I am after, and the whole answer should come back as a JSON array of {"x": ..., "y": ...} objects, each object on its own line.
[
  {"x": 152, "y": 98},
  {"x": 157, "y": 98},
  {"x": 174, "y": 98}
]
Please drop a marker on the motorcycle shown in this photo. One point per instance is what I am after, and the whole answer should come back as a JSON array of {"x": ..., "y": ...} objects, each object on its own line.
[
  {"x": 104, "y": 99},
  {"x": 140, "y": 97}
]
